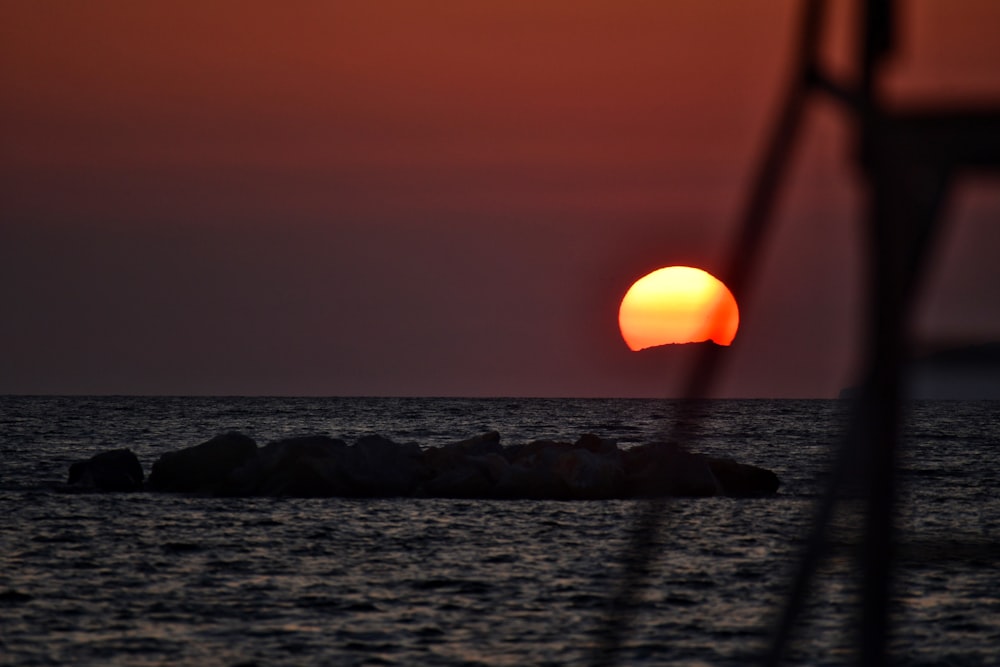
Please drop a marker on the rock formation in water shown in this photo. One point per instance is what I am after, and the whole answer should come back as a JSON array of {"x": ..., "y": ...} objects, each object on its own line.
[
  {"x": 116, "y": 470},
  {"x": 204, "y": 468},
  {"x": 480, "y": 467},
  {"x": 318, "y": 466}
]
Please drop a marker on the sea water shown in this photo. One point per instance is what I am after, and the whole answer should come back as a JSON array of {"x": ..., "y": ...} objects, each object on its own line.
[{"x": 153, "y": 579}]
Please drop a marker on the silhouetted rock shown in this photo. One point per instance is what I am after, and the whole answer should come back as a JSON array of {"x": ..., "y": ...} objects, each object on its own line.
[
  {"x": 537, "y": 453},
  {"x": 664, "y": 470},
  {"x": 466, "y": 469},
  {"x": 378, "y": 467},
  {"x": 587, "y": 469},
  {"x": 116, "y": 470},
  {"x": 465, "y": 480},
  {"x": 530, "y": 483},
  {"x": 480, "y": 467},
  {"x": 319, "y": 466},
  {"x": 448, "y": 456},
  {"x": 480, "y": 445},
  {"x": 302, "y": 467},
  {"x": 743, "y": 480},
  {"x": 587, "y": 475},
  {"x": 204, "y": 468},
  {"x": 597, "y": 445}
]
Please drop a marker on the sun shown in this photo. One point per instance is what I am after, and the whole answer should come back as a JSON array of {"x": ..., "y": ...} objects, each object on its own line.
[{"x": 678, "y": 304}]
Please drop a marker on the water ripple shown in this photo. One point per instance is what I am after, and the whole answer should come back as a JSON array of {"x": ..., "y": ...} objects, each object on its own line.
[{"x": 148, "y": 579}]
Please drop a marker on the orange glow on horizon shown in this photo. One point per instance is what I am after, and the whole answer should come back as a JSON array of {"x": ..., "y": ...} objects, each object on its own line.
[{"x": 678, "y": 304}]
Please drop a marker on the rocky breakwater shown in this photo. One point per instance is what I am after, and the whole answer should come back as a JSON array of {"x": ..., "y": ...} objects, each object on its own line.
[{"x": 480, "y": 467}]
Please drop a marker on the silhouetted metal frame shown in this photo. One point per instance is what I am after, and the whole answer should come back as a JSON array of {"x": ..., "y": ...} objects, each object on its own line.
[
  {"x": 908, "y": 161},
  {"x": 743, "y": 258}
]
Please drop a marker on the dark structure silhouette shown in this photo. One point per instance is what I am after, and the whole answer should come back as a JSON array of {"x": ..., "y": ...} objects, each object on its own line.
[
  {"x": 909, "y": 160},
  {"x": 318, "y": 466}
]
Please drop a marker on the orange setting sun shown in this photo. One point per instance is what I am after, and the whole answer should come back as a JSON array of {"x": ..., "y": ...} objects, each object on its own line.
[{"x": 678, "y": 304}]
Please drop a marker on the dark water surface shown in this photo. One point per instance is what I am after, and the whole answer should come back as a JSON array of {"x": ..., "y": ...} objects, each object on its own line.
[{"x": 143, "y": 579}]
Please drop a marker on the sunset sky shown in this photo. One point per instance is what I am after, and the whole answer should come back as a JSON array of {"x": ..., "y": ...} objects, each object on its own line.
[{"x": 438, "y": 198}]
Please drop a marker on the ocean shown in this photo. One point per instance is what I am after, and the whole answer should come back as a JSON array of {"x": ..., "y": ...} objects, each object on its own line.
[{"x": 157, "y": 579}]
